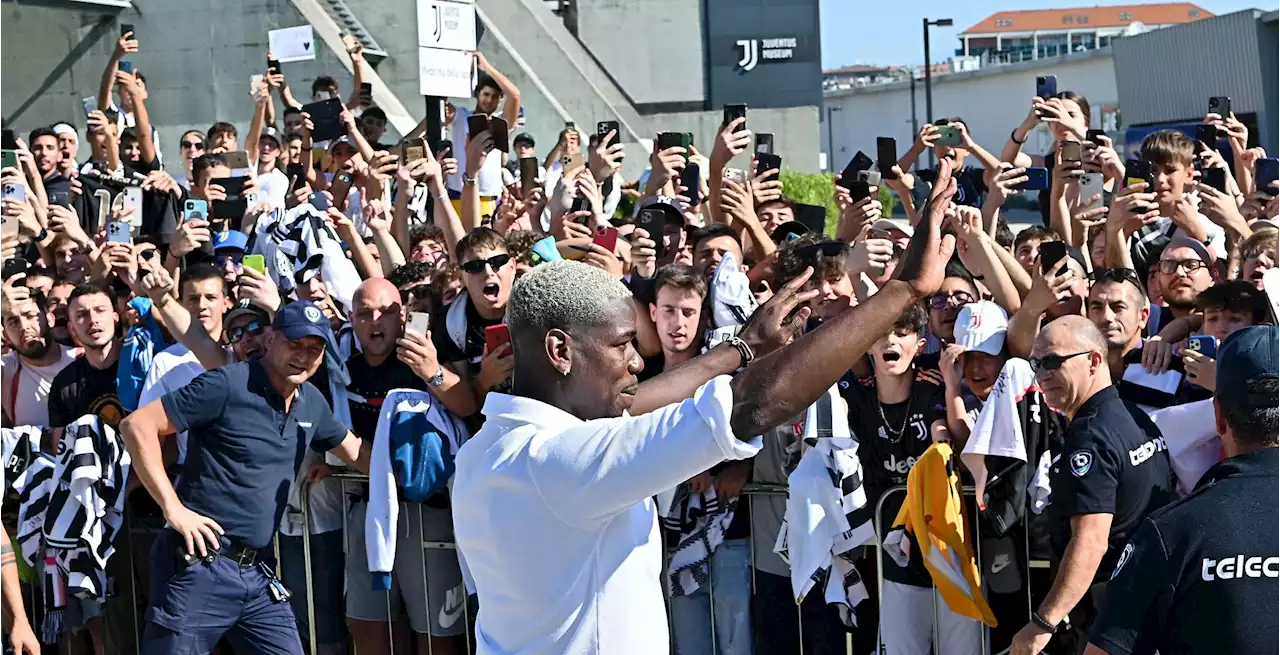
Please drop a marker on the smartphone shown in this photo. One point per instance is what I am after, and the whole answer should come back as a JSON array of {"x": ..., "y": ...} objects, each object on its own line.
[
  {"x": 340, "y": 189},
  {"x": 446, "y": 149},
  {"x": 764, "y": 142},
  {"x": 1206, "y": 136},
  {"x": 119, "y": 232},
  {"x": 194, "y": 210},
  {"x": 126, "y": 28},
  {"x": 476, "y": 123},
  {"x": 13, "y": 191},
  {"x": 297, "y": 174},
  {"x": 234, "y": 207},
  {"x": 1267, "y": 171},
  {"x": 691, "y": 179},
  {"x": 366, "y": 90},
  {"x": 501, "y": 134},
  {"x": 738, "y": 175},
  {"x": 1216, "y": 178},
  {"x": 273, "y": 66},
  {"x": 255, "y": 263},
  {"x": 948, "y": 135},
  {"x": 1091, "y": 185},
  {"x": 326, "y": 115},
  {"x": 872, "y": 178},
  {"x": 654, "y": 221},
  {"x": 60, "y": 198},
  {"x": 126, "y": 66},
  {"x": 603, "y": 128},
  {"x": 572, "y": 162},
  {"x": 606, "y": 237},
  {"x": 8, "y": 159},
  {"x": 319, "y": 201},
  {"x": 8, "y": 139},
  {"x": 767, "y": 162},
  {"x": 9, "y": 227},
  {"x": 1046, "y": 86},
  {"x": 1220, "y": 105},
  {"x": 133, "y": 199},
  {"x": 419, "y": 323},
  {"x": 580, "y": 204},
  {"x": 1071, "y": 152},
  {"x": 878, "y": 234},
  {"x": 886, "y": 156},
  {"x": 859, "y": 190},
  {"x": 1138, "y": 170},
  {"x": 849, "y": 176},
  {"x": 675, "y": 140},
  {"x": 1051, "y": 252},
  {"x": 1037, "y": 179},
  {"x": 238, "y": 162},
  {"x": 90, "y": 104},
  {"x": 255, "y": 81},
  {"x": 1091, "y": 137},
  {"x": 495, "y": 337},
  {"x": 528, "y": 173},
  {"x": 103, "y": 198},
  {"x": 414, "y": 149},
  {"x": 352, "y": 43},
  {"x": 733, "y": 112},
  {"x": 1205, "y": 344}
]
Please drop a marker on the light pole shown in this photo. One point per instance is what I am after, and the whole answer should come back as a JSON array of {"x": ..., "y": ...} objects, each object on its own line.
[
  {"x": 928, "y": 72},
  {"x": 831, "y": 144}
]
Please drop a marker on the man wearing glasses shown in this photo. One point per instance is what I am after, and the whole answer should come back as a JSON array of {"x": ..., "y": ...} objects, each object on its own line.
[
  {"x": 1113, "y": 471},
  {"x": 1185, "y": 270},
  {"x": 958, "y": 290}
]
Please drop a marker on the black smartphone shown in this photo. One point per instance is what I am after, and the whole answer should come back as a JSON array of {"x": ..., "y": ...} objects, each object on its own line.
[
  {"x": 326, "y": 115},
  {"x": 654, "y": 221},
  {"x": 1267, "y": 170},
  {"x": 674, "y": 140},
  {"x": 1206, "y": 137},
  {"x": 60, "y": 198},
  {"x": 366, "y": 93},
  {"x": 603, "y": 128},
  {"x": 1092, "y": 136},
  {"x": 8, "y": 139},
  {"x": 859, "y": 190},
  {"x": 1046, "y": 86},
  {"x": 580, "y": 204},
  {"x": 297, "y": 174},
  {"x": 528, "y": 173},
  {"x": 1139, "y": 170},
  {"x": 1220, "y": 105},
  {"x": 476, "y": 123},
  {"x": 1071, "y": 152},
  {"x": 766, "y": 162},
  {"x": 860, "y": 162},
  {"x": 764, "y": 142},
  {"x": 886, "y": 156},
  {"x": 1216, "y": 178},
  {"x": 126, "y": 28},
  {"x": 733, "y": 112},
  {"x": 446, "y": 149},
  {"x": 691, "y": 179},
  {"x": 813, "y": 217},
  {"x": 235, "y": 205},
  {"x": 273, "y": 66},
  {"x": 501, "y": 134},
  {"x": 1051, "y": 252}
]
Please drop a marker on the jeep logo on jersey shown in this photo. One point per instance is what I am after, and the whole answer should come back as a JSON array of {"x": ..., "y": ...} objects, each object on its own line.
[
  {"x": 894, "y": 465},
  {"x": 1081, "y": 462},
  {"x": 1146, "y": 451},
  {"x": 1239, "y": 566}
]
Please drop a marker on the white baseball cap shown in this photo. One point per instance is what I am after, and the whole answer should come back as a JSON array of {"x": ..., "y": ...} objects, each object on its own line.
[{"x": 981, "y": 326}]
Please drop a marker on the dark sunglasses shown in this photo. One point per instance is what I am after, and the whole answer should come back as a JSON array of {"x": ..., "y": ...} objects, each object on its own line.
[
  {"x": 943, "y": 300},
  {"x": 1170, "y": 266},
  {"x": 221, "y": 260},
  {"x": 148, "y": 253},
  {"x": 476, "y": 266},
  {"x": 828, "y": 248},
  {"x": 193, "y": 144},
  {"x": 235, "y": 334},
  {"x": 418, "y": 292},
  {"x": 1052, "y": 362}
]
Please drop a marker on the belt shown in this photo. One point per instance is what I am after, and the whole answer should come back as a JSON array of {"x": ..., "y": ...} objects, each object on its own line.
[{"x": 243, "y": 556}]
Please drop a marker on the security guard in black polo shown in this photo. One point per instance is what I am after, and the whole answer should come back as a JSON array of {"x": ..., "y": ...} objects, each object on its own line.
[
  {"x": 1203, "y": 575},
  {"x": 247, "y": 426}
]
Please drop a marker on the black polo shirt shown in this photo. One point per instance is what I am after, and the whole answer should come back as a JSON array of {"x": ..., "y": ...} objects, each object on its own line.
[
  {"x": 1115, "y": 462},
  {"x": 243, "y": 450},
  {"x": 1200, "y": 575}
]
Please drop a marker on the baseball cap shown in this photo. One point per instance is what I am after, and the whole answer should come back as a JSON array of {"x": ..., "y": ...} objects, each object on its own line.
[
  {"x": 1248, "y": 354},
  {"x": 982, "y": 326},
  {"x": 670, "y": 206},
  {"x": 1202, "y": 251},
  {"x": 245, "y": 306},
  {"x": 230, "y": 239},
  {"x": 302, "y": 318},
  {"x": 788, "y": 231},
  {"x": 889, "y": 225},
  {"x": 523, "y": 138}
]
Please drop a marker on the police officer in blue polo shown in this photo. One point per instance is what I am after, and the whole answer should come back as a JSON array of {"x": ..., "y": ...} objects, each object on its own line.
[
  {"x": 247, "y": 426},
  {"x": 1202, "y": 575}
]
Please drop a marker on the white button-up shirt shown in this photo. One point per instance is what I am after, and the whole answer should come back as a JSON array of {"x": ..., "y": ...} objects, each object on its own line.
[{"x": 556, "y": 524}]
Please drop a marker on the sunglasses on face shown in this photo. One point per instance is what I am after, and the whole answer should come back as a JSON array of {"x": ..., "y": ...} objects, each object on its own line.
[
  {"x": 235, "y": 334},
  {"x": 222, "y": 260},
  {"x": 1171, "y": 266},
  {"x": 477, "y": 266},
  {"x": 148, "y": 253},
  {"x": 193, "y": 145},
  {"x": 944, "y": 300},
  {"x": 1052, "y": 362}
]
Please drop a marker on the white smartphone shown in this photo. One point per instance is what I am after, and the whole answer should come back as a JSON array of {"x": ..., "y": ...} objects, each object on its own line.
[
  {"x": 13, "y": 191},
  {"x": 1091, "y": 185},
  {"x": 133, "y": 199},
  {"x": 90, "y": 104},
  {"x": 119, "y": 232},
  {"x": 104, "y": 207},
  {"x": 254, "y": 82},
  {"x": 419, "y": 323}
]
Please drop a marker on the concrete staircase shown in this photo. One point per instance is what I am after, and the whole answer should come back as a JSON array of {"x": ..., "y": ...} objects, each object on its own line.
[{"x": 349, "y": 24}]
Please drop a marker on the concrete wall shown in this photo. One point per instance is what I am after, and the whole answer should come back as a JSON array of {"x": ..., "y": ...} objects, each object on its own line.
[
  {"x": 795, "y": 133},
  {"x": 992, "y": 101},
  {"x": 645, "y": 67}
]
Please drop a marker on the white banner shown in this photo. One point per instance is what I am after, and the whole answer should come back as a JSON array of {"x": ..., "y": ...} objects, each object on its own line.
[
  {"x": 445, "y": 73},
  {"x": 446, "y": 25},
  {"x": 292, "y": 44}
]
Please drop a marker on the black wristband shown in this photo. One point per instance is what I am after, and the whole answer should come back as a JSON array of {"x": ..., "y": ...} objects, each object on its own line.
[
  {"x": 744, "y": 351},
  {"x": 1043, "y": 624},
  {"x": 1015, "y": 139}
]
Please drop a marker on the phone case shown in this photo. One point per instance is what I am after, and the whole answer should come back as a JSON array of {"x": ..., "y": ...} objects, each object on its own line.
[
  {"x": 255, "y": 262},
  {"x": 606, "y": 237},
  {"x": 419, "y": 323},
  {"x": 654, "y": 221},
  {"x": 495, "y": 337},
  {"x": 119, "y": 232},
  {"x": 603, "y": 128},
  {"x": 476, "y": 123}
]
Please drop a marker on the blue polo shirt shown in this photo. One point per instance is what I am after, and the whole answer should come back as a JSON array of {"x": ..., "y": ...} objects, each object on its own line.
[{"x": 243, "y": 450}]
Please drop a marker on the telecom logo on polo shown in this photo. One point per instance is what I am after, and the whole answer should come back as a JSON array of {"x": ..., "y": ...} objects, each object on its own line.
[{"x": 1239, "y": 566}]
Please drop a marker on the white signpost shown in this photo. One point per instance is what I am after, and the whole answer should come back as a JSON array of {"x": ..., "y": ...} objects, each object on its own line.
[
  {"x": 292, "y": 44},
  {"x": 446, "y": 39}
]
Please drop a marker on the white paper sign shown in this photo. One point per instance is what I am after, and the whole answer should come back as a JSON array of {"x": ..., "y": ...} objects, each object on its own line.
[
  {"x": 445, "y": 73},
  {"x": 446, "y": 25},
  {"x": 292, "y": 44}
]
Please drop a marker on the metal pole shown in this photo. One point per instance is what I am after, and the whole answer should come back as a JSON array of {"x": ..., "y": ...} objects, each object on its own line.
[
  {"x": 915, "y": 122},
  {"x": 304, "y": 500},
  {"x": 831, "y": 144},
  {"x": 928, "y": 82},
  {"x": 434, "y": 135}
]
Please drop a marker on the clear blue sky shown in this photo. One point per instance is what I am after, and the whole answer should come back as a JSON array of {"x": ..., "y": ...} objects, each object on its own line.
[{"x": 859, "y": 31}]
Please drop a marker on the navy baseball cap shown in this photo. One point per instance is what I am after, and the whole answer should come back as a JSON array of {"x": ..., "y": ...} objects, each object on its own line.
[
  {"x": 1250, "y": 353},
  {"x": 300, "y": 319},
  {"x": 231, "y": 240}
]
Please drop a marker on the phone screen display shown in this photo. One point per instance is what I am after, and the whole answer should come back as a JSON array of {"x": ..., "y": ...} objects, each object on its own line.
[
  {"x": 764, "y": 142},
  {"x": 886, "y": 156},
  {"x": 476, "y": 123},
  {"x": 528, "y": 173},
  {"x": 326, "y": 115},
  {"x": 500, "y": 131}
]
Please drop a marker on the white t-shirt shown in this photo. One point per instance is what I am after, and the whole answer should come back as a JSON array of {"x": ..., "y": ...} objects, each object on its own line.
[
  {"x": 489, "y": 179},
  {"x": 172, "y": 369},
  {"x": 574, "y": 498},
  {"x": 28, "y": 403},
  {"x": 272, "y": 187}
]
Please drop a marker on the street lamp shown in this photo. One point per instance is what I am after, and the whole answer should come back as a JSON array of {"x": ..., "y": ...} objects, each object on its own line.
[
  {"x": 831, "y": 144},
  {"x": 928, "y": 72}
]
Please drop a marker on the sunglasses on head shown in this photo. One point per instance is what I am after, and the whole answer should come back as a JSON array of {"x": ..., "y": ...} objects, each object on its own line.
[
  {"x": 943, "y": 300},
  {"x": 827, "y": 248},
  {"x": 1052, "y": 362},
  {"x": 476, "y": 266},
  {"x": 252, "y": 328},
  {"x": 1171, "y": 266},
  {"x": 1116, "y": 275}
]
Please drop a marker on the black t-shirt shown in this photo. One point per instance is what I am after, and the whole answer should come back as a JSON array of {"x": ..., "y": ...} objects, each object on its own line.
[
  {"x": 1199, "y": 576},
  {"x": 1113, "y": 461},
  {"x": 370, "y": 385},
  {"x": 653, "y": 367},
  {"x": 888, "y": 455},
  {"x": 473, "y": 350},
  {"x": 81, "y": 389}
]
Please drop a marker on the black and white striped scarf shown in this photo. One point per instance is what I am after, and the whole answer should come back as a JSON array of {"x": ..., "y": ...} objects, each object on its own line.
[{"x": 701, "y": 521}]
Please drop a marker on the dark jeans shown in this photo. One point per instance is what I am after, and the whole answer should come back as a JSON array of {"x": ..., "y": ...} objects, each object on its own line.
[{"x": 778, "y": 623}]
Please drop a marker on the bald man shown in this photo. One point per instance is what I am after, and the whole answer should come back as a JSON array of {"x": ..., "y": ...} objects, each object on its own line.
[{"x": 1113, "y": 470}]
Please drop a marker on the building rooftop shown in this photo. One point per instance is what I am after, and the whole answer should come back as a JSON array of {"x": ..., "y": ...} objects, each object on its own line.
[{"x": 1092, "y": 17}]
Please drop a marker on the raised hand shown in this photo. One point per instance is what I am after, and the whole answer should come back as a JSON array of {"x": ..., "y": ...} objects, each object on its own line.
[
  {"x": 778, "y": 321},
  {"x": 923, "y": 264}
]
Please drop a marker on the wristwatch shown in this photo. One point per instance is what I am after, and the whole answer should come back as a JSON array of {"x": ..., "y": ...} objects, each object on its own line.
[
  {"x": 468, "y": 180},
  {"x": 437, "y": 379},
  {"x": 1043, "y": 624}
]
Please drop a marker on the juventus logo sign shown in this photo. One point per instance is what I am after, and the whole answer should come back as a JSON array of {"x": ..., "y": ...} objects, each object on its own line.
[
  {"x": 750, "y": 54},
  {"x": 755, "y": 51}
]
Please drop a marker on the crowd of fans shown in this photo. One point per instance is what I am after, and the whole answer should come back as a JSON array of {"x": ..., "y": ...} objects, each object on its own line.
[{"x": 128, "y": 275}]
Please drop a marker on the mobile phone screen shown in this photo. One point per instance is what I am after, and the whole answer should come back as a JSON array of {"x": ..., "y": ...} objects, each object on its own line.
[
  {"x": 886, "y": 156},
  {"x": 1051, "y": 252}
]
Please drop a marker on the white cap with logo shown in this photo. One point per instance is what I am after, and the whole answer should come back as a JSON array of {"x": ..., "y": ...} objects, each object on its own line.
[{"x": 982, "y": 326}]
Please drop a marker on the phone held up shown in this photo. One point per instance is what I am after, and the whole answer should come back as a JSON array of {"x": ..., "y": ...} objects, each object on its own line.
[
  {"x": 603, "y": 128},
  {"x": 1205, "y": 344},
  {"x": 1051, "y": 252},
  {"x": 256, "y": 263},
  {"x": 654, "y": 221},
  {"x": 495, "y": 337},
  {"x": 733, "y": 112},
  {"x": 606, "y": 237},
  {"x": 419, "y": 323},
  {"x": 886, "y": 156},
  {"x": 764, "y": 142}
]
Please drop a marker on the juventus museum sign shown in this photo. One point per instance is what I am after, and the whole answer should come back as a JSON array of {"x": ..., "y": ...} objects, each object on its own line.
[{"x": 765, "y": 53}]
